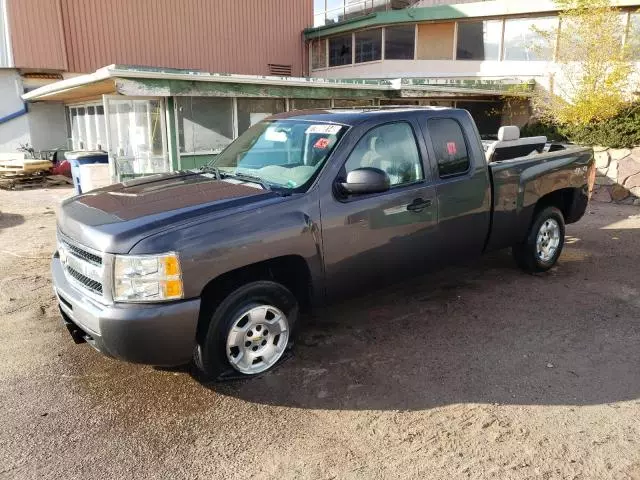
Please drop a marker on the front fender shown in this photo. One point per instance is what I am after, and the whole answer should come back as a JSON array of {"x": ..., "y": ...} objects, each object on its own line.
[{"x": 214, "y": 246}]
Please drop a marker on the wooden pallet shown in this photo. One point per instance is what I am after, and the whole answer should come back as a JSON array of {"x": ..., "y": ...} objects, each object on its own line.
[
  {"x": 21, "y": 182},
  {"x": 25, "y": 167}
]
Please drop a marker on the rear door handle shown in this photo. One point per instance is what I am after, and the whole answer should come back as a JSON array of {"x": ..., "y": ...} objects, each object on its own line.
[{"x": 418, "y": 205}]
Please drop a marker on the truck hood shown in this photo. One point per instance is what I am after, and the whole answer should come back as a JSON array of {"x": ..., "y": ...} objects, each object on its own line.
[{"x": 113, "y": 219}]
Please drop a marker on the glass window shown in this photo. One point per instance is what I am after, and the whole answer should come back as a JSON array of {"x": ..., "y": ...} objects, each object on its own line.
[
  {"x": 340, "y": 51},
  {"x": 334, "y": 16},
  {"x": 88, "y": 127},
  {"x": 435, "y": 41},
  {"x": 253, "y": 110},
  {"x": 137, "y": 136},
  {"x": 368, "y": 45},
  {"x": 391, "y": 148},
  {"x": 479, "y": 40},
  {"x": 309, "y": 103},
  {"x": 449, "y": 145},
  {"x": 283, "y": 153},
  {"x": 205, "y": 124},
  {"x": 357, "y": 8},
  {"x": 319, "y": 6},
  {"x": 399, "y": 42},
  {"x": 524, "y": 40},
  {"x": 319, "y": 54}
]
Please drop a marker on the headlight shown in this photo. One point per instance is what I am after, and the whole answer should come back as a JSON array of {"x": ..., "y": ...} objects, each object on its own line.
[{"x": 147, "y": 278}]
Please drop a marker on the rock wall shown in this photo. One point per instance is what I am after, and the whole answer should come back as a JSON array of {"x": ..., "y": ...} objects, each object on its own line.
[{"x": 618, "y": 175}]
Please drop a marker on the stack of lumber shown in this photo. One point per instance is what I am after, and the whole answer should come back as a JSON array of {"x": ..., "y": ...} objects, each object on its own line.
[{"x": 28, "y": 173}]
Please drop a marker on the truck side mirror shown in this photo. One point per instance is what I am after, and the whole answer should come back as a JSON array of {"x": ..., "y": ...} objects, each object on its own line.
[{"x": 366, "y": 180}]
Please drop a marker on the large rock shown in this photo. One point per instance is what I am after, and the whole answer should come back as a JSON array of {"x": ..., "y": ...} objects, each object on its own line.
[
  {"x": 602, "y": 160},
  {"x": 599, "y": 148},
  {"x": 633, "y": 181},
  {"x": 635, "y": 191},
  {"x": 619, "y": 153},
  {"x": 627, "y": 167},
  {"x": 619, "y": 193},
  {"x": 604, "y": 180},
  {"x": 612, "y": 171},
  {"x": 601, "y": 195}
]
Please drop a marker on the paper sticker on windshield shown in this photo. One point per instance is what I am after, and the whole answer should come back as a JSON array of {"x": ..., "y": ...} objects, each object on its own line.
[
  {"x": 322, "y": 143},
  {"x": 325, "y": 129},
  {"x": 452, "y": 148}
]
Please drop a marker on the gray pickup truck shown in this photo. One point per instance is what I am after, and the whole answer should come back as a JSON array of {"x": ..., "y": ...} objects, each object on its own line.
[{"x": 306, "y": 207}]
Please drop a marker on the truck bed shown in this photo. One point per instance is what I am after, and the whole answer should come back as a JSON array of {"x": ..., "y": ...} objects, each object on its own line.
[{"x": 519, "y": 183}]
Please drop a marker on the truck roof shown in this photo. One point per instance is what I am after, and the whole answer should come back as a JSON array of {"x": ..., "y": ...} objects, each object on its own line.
[{"x": 352, "y": 117}]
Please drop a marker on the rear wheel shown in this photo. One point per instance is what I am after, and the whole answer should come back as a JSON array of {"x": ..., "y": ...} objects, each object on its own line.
[
  {"x": 542, "y": 247},
  {"x": 249, "y": 331}
]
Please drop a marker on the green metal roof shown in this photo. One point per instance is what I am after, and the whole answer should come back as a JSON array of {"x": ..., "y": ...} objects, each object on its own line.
[{"x": 494, "y": 8}]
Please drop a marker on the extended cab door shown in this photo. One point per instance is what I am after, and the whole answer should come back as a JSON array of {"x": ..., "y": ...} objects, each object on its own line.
[
  {"x": 371, "y": 239},
  {"x": 463, "y": 187}
]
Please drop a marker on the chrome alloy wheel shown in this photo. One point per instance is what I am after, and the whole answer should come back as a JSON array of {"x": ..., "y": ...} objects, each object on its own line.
[
  {"x": 257, "y": 339},
  {"x": 548, "y": 240}
]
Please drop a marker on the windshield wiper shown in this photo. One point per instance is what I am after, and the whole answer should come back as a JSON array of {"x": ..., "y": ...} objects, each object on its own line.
[
  {"x": 211, "y": 169},
  {"x": 249, "y": 178}
]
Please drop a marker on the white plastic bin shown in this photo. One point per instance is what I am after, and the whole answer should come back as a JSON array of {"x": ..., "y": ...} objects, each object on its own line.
[{"x": 94, "y": 175}]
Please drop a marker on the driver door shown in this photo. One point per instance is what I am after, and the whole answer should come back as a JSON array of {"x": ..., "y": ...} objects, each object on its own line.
[{"x": 372, "y": 239}]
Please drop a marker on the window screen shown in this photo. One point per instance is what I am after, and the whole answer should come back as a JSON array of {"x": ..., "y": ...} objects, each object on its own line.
[
  {"x": 449, "y": 145},
  {"x": 368, "y": 45},
  {"x": 399, "y": 42},
  {"x": 340, "y": 51}
]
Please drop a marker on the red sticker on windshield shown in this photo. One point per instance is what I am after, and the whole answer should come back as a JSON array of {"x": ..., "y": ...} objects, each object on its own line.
[
  {"x": 451, "y": 148},
  {"x": 322, "y": 143}
]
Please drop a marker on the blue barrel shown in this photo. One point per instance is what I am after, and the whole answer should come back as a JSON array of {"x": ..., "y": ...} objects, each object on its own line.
[{"x": 77, "y": 158}]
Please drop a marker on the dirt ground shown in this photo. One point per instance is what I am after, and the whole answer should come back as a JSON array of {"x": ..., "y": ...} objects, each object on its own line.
[{"x": 478, "y": 371}]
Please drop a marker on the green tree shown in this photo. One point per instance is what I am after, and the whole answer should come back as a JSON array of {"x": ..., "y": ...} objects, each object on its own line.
[{"x": 594, "y": 71}]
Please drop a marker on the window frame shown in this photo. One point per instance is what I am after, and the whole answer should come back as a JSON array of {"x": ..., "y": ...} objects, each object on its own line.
[
  {"x": 342, "y": 173},
  {"x": 399, "y": 26},
  {"x": 435, "y": 155},
  {"x": 482, "y": 20},
  {"x": 355, "y": 45},
  {"x": 351, "y": 50}
]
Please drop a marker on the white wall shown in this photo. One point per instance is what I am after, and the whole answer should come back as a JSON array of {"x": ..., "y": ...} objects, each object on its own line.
[
  {"x": 13, "y": 132},
  {"x": 48, "y": 126},
  {"x": 437, "y": 68}
]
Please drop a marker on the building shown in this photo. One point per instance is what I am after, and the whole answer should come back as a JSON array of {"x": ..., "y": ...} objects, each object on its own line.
[
  {"x": 360, "y": 53},
  {"x": 154, "y": 120},
  {"x": 42, "y": 41},
  {"x": 453, "y": 41}
]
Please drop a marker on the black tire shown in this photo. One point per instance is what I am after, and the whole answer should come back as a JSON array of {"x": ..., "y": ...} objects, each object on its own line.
[
  {"x": 526, "y": 254},
  {"x": 210, "y": 357}
]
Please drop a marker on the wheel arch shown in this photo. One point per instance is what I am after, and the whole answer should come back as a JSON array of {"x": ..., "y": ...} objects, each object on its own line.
[{"x": 292, "y": 271}]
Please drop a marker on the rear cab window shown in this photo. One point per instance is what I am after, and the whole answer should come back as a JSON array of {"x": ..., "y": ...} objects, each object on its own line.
[{"x": 450, "y": 146}]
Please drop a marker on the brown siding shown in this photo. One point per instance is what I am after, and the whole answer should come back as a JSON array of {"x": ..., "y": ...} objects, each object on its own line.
[
  {"x": 235, "y": 36},
  {"x": 36, "y": 34}
]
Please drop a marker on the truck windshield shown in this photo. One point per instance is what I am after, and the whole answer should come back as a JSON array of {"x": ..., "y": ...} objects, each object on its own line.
[{"x": 280, "y": 153}]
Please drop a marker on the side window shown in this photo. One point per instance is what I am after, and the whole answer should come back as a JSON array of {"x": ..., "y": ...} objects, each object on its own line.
[
  {"x": 391, "y": 148},
  {"x": 449, "y": 145}
]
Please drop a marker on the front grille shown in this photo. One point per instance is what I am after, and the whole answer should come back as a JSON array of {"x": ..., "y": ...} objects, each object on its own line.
[
  {"x": 83, "y": 267},
  {"x": 92, "y": 285},
  {"x": 83, "y": 254}
]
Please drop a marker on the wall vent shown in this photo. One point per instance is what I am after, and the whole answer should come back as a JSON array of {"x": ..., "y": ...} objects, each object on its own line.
[{"x": 279, "y": 70}]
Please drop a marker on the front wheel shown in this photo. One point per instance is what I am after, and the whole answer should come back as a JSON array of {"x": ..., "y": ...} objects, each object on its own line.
[
  {"x": 249, "y": 331},
  {"x": 542, "y": 247}
]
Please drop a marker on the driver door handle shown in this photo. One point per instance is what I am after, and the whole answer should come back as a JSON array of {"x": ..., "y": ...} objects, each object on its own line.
[{"x": 418, "y": 205}]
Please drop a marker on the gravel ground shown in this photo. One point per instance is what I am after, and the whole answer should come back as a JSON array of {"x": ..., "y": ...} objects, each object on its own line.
[{"x": 478, "y": 371}]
